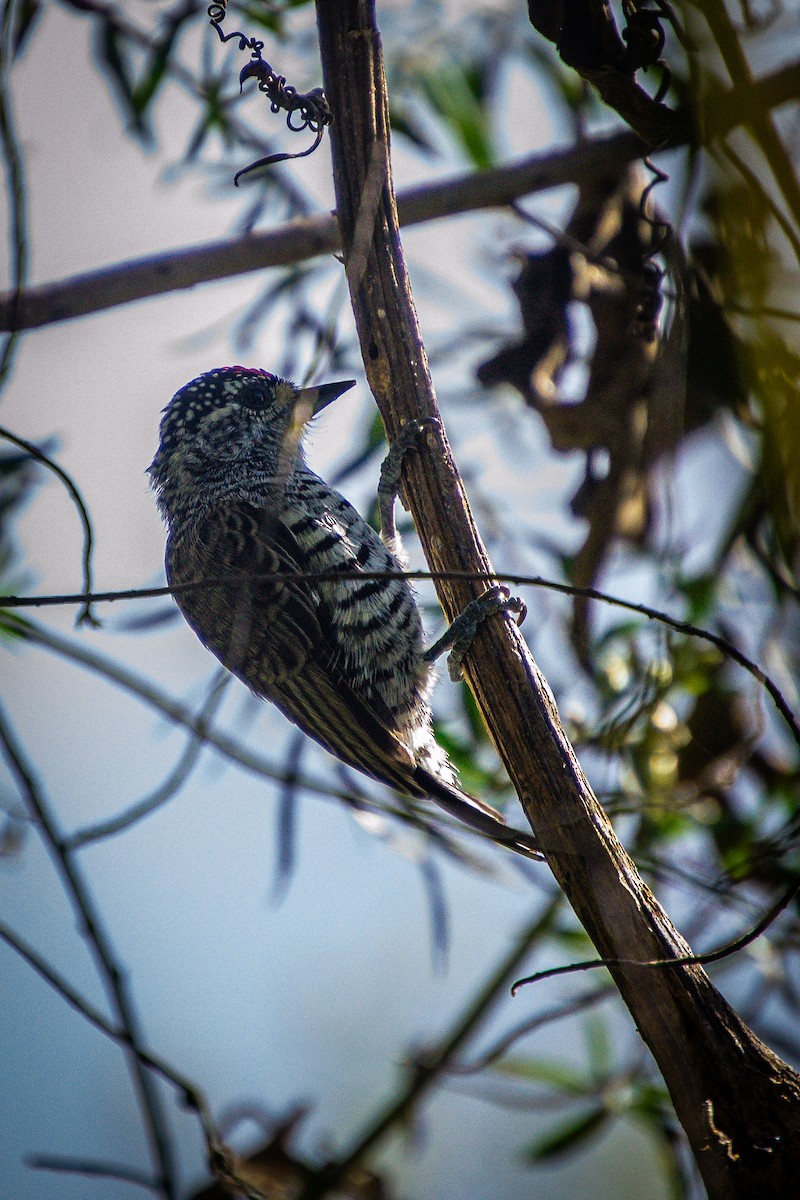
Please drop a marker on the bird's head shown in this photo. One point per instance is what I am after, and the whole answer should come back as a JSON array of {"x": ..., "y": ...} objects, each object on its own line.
[{"x": 234, "y": 415}]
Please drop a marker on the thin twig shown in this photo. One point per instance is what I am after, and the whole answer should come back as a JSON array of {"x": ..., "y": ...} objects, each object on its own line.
[
  {"x": 726, "y": 151},
  {"x": 38, "y": 455},
  {"x": 230, "y": 747},
  {"x": 287, "y": 815},
  {"x": 91, "y": 1168},
  {"x": 438, "y": 915},
  {"x": 170, "y": 786},
  {"x": 760, "y": 121},
  {"x": 16, "y": 193},
  {"x": 516, "y": 580},
  {"x": 191, "y": 1097},
  {"x": 569, "y": 1008},
  {"x": 428, "y": 1069},
  {"x": 99, "y": 943},
  {"x": 688, "y": 960}
]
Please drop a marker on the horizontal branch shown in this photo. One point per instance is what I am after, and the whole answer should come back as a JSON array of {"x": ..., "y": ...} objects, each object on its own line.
[{"x": 308, "y": 237}]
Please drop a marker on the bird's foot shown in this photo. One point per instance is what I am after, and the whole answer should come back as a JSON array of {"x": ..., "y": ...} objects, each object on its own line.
[
  {"x": 389, "y": 484},
  {"x": 459, "y": 637}
]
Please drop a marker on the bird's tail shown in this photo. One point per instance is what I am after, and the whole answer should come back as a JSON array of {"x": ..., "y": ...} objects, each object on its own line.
[{"x": 477, "y": 815}]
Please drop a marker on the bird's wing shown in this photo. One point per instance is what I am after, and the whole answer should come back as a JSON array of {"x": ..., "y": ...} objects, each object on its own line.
[
  {"x": 271, "y": 629},
  {"x": 276, "y": 634}
]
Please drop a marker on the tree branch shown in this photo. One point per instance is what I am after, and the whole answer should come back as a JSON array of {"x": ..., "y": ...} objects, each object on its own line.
[
  {"x": 309, "y": 237},
  {"x": 39, "y": 633},
  {"x": 100, "y": 946},
  {"x": 439, "y": 1059},
  {"x": 95, "y": 291},
  {"x": 223, "y": 743},
  {"x": 739, "y": 1104},
  {"x": 191, "y": 1098}
]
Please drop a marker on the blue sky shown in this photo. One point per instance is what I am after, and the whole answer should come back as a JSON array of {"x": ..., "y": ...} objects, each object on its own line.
[{"x": 317, "y": 998}]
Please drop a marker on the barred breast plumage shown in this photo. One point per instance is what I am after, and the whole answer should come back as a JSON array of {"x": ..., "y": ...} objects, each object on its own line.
[{"x": 341, "y": 656}]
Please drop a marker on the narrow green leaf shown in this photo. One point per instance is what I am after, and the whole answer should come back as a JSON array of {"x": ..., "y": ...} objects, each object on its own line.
[
  {"x": 145, "y": 90},
  {"x": 12, "y": 626},
  {"x": 555, "y": 1074},
  {"x": 567, "y": 1137},
  {"x": 452, "y": 92},
  {"x": 403, "y": 122},
  {"x": 112, "y": 59},
  {"x": 598, "y": 1045}
]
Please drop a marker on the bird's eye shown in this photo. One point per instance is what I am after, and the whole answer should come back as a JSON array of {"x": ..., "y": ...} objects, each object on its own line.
[{"x": 254, "y": 395}]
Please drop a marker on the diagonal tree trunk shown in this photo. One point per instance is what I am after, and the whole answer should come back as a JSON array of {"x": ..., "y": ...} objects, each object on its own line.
[{"x": 737, "y": 1101}]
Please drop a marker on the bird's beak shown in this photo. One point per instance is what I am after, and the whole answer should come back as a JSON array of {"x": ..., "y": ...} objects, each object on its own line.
[{"x": 314, "y": 399}]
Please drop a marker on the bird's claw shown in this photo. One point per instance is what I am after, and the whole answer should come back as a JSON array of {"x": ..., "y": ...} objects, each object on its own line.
[
  {"x": 389, "y": 483},
  {"x": 459, "y": 637}
]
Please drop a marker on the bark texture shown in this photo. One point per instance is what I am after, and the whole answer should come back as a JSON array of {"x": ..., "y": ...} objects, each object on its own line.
[{"x": 737, "y": 1101}]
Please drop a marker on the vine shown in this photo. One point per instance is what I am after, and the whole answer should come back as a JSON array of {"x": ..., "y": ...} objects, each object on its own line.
[{"x": 304, "y": 110}]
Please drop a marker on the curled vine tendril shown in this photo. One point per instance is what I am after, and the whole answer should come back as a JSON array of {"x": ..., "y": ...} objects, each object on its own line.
[
  {"x": 645, "y": 39},
  {"x": 650, "y": 289},
  {"x": 304, "y": 110},
  {"x": 651, "y": 298}
]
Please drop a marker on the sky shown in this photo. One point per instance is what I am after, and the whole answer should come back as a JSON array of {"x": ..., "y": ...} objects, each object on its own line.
[{"x": 315, "y": 997}]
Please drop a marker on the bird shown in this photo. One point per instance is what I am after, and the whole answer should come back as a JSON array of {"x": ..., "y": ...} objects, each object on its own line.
[{"x": 343, "y": 657}]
